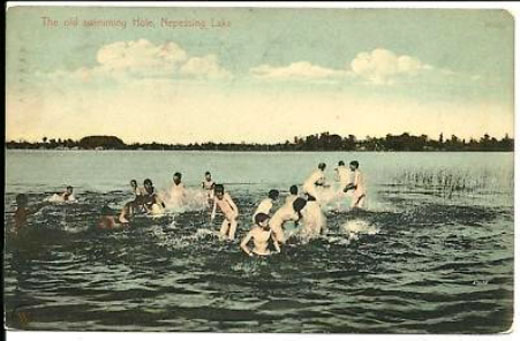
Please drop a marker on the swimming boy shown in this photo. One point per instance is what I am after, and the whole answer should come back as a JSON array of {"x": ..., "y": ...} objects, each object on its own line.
[
  {"x": 151, "y": 198},
  {"x": 23, "y": 212},
  {"x": 342, "y": 174},
  {"x": 177, "y": 190},
  {"x": 208, "y": 185},
  {"x": 138, "y": 191},
  {"x": 261, "y": 234},
  {"x": 284, "y": 214},
  {"x": 135, "y": 205},
  {"x": 266, "y": 204},
  {"x": 107, "y": 220},
  {"x": 223, "y": 201},
  {"x": 358, "y": 185},
  {"x": 293, "y": 194},
  {"x": 317, "y": 178}
]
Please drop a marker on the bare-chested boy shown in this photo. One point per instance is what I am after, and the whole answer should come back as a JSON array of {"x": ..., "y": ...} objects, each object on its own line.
[
  {"x": 288, "y": 212},
  {"x": 261, "y": 234},
  {"x": 223, "y": 201}
]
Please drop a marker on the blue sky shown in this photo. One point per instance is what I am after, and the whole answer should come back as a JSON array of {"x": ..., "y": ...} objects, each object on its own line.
[{"x": 266, "y": 76}]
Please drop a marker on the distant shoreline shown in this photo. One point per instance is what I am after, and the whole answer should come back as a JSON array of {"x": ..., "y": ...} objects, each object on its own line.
[{"x": 324, "y": 142}]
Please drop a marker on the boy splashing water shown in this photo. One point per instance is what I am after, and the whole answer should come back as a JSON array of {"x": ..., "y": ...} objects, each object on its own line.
[
  {"x": 223, "y": 201},
  {"x": 266, "y": 205},
  {"x": 357, "y": 185},
  {"x": 261, "y": 234}
]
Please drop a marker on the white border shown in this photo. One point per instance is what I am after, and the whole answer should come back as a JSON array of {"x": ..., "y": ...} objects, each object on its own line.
[{"x": 512, "y": 7}]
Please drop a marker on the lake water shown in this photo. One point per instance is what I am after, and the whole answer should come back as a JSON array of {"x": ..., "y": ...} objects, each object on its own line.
[{"x": 433, "y": 252}]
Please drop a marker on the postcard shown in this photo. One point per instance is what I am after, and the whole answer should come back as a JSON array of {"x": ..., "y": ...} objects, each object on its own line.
[{"x": 259, "y": 170}]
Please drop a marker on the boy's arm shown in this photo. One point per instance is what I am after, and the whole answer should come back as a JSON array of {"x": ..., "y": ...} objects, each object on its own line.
[
  {"x": 275, "y": 242},
  {"x": 243, "y": 244},
  {"x": 214, "y": 210},
  {"x": 231, "y": 203}
]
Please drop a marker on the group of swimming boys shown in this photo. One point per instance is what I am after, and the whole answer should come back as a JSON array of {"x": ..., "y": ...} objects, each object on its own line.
[{"x": 266, "y": 227}]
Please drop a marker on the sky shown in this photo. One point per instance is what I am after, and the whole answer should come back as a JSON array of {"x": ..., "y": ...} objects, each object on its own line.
[{"x": 256, "y": 75}]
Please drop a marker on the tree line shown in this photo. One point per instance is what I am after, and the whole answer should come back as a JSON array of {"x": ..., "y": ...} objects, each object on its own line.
[{"x": 317, "y": 142}]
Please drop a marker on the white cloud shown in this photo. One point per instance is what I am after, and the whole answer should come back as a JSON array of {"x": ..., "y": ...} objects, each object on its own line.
[
  {"x": 298, "y": 70},
  {"x": 144, "y": 59},
  {"x": 380, "y": 66},
  {"x": 202, "y": 67},
  {"x": 383, "y": 66}
]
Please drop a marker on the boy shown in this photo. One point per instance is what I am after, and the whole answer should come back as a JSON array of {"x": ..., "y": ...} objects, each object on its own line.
[
  {"x": 357, "y": 185},
  {"x": 261, "y": 234},
  {"x": 177, "y": 190},
  {"x": 107, "y": 220},
  {"x": 22, "y": 212},
  {"x": 284, "y": 214},
  {"x": 317, "y": 178},
  {"x": 229, "y": 209},
  {"x": 208, "y": 186},
  {"x": 293, "y": 194},
  {"x": 266, "y": 204},
  {"x": 342, "y": 174}
]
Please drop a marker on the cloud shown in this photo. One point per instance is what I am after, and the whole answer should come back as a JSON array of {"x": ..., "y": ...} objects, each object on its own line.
[
  {"x": 383, "y": 66},
  {"x": 143, "y": 59},
  {"x": 204, "y": 67},
  {"x": 298, "y": 70},
  {"x": 380, "y": 66}
]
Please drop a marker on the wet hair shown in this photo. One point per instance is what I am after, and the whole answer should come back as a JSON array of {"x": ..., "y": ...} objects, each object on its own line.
[
  {"x": 21, "y": 199},
  {"x": 178, "y": 175},
  {"x": 273, "y": 194},
  {"x": 322, "y": 165},
  {"x": 133, "y": 181},
  {"x": 261, "y": 217},
  {"x": 219, "y": 188},
  {"x": 70, "y": 187},
  {"x": 354, "y": 163},
  {"x": 293, "y": 189},
  {"x": 341, "y": 163},
  {"x": 105, "y": 210},
  {"x": 207, "y": 173},
  {"x": 148, "y": 182},
  {"x": 299, "y": 204}
]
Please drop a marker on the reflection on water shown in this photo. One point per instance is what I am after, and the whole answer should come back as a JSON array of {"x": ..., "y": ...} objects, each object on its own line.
[{"x": 433, "y": 253}]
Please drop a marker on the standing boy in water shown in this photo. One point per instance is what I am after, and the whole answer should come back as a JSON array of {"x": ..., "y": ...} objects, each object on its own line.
[
  {"x": 177, "y": 190},
  {"x": 151, "y": 201},
  {"x": 317, "y": 178},
  {"x": 223, "y": 201},
  {"x": 22, "y": 212},
  {"x": 208, "y": 185},
  {"x": 293, "y": 194},
  {"x": 266, "y": 204},
  {"x": 261, "y": 234},
  {"x": 133, "y": 206},
  {"x": 284, "y": 214},
  {"x": 342, "y": 174},
  {"x": 358, "y": 185}
]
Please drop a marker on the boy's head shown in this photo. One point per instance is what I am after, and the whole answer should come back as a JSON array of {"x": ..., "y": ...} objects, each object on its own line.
[
  {"x": 262, "y": 220},
  {"x": 354, "y": 165},
  {"x": 133, "y": 183},
  {"x": 341, "y": 163},
  {"x": 293, "y": 190},
  {"x": 70, "y": 189},
  {"x": 207, "y": 175},
  {"x": 321, "y": 166},
  {"x": 21, "y": 200},
  {"x": 177, "y": 178},
  {"x": 148, "y": 185},
  {"x": 106, "y": 211},
  {"x": 273, "y": 194},
  {"x": 219, "y": 191},
  {"x": 299, "y": 204}
]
